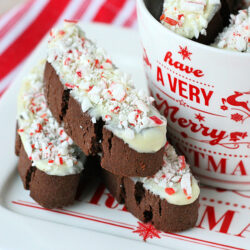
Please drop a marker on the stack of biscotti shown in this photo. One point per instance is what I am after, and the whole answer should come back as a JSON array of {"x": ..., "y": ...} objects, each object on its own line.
[
  {"x": 199, "y": 20},
  {"x": 105, "y": 115},
  {"x": 50, "y": 165}
]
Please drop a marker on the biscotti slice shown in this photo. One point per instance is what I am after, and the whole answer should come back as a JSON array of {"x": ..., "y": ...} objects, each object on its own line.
[
  {"x": 50, "y": 165},
  {"x": 101, "y": 109},
  {"x": 236, "y": 37},
  {"x": 199, "y": 20},
  {"x": 169, "y": 200}
]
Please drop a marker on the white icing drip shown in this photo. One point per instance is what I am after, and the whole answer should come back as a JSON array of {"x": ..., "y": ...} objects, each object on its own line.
[
  {"x": 45, "y": 141},
  {"x": 104, "y": 91},
  {"x": 236, "y": 37},
  {"x": 189, "y": 18},
  {"x": 174, "y": 181}
]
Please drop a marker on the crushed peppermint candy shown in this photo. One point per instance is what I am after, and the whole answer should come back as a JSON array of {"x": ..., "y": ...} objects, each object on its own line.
[
  {"x": 101, "y": 89},
  {"x": 189, "y": 18},
  {"x": 174, "y": 177},
  {"x": 236, "y": 37},
  {"x": 43, "y": 138}
]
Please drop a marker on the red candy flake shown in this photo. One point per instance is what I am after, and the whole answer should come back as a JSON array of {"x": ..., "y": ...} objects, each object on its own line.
[
  {"x": 71, "y": 86},
  {"x": 79, "y": 53},
  {"x": 123, "y": 98},
  {"x": 50, "y": 161},
  {"x": 110, "y": 92},
  {"x": 182, "y": 161},
  {"x": 61, "y": 132},
  {"x": 67, "y": 60},
  {"x": 163, "y": 176},
  {"x": 20, "y": 130},
  {"x": 33, "y": 146},
  {"x": 61, "y": 32},
  {"x": 171, "y": 21},
  {"x": 30, "y": 158},
  {"x": 39, "y": 126},
  {"x": 83, "y": 42},
  {"x": 61, "y": 160},
  {"x": 185, "y": 192},
  {"x": 108, "y": 61},
  {"x": 116, "y": 110},
  {"x": 169, "y": 191},
  {"x": 162, "y": 17},
  {"x": 31, "y": 134},
  {"x": 70, "y": 21},
  {"x": 38, "y": 109},
  {"x": 108, "y": 117},
  {"x": 79, "y": 73},
  {"x": 96, "y": 63},
  {"x": 180, "y": 16},
  {"x": 89, "y": 89},
  {"x": 51, "y": 33},
  {"x": 156, "y": 120},
  {"x": 70, "y": 51},
  {"x": 44, "y": 115}
]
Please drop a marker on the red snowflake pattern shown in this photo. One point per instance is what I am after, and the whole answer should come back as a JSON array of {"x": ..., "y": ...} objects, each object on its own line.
[
  {"x": 185, "y": 53},
  {"x": 237, "y": 117},
  {"x": 224, "y": 107},
  {"x": 236, "y": 136},
  {"x": 147, "y": 231},
  {"x": 199, "y": 117}
]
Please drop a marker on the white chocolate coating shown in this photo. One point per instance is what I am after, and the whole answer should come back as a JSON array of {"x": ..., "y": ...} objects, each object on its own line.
[
  {"x": 174, "y": 182},
  {"x": 236, "y": 37},
  {"x": 189, "y": 18},
  {"x": 44, "y": 140},
  {"x": 104, "y": 91}
]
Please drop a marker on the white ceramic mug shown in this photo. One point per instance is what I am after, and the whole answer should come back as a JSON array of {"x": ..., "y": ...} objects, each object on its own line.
[{"x": 205, "y": 94}]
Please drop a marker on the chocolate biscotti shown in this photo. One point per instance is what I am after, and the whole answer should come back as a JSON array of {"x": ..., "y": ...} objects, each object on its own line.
[
  {"x": 199, "y": 20},
  {"x": 50, "y": 164},
  {"x": 236, "y": 37},
  {"x": 168, "y": 200},
  {"x": 101, "y": 109}
]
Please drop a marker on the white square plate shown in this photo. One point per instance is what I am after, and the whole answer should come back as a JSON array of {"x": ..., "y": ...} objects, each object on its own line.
[{"x": 97, "y": 221}]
